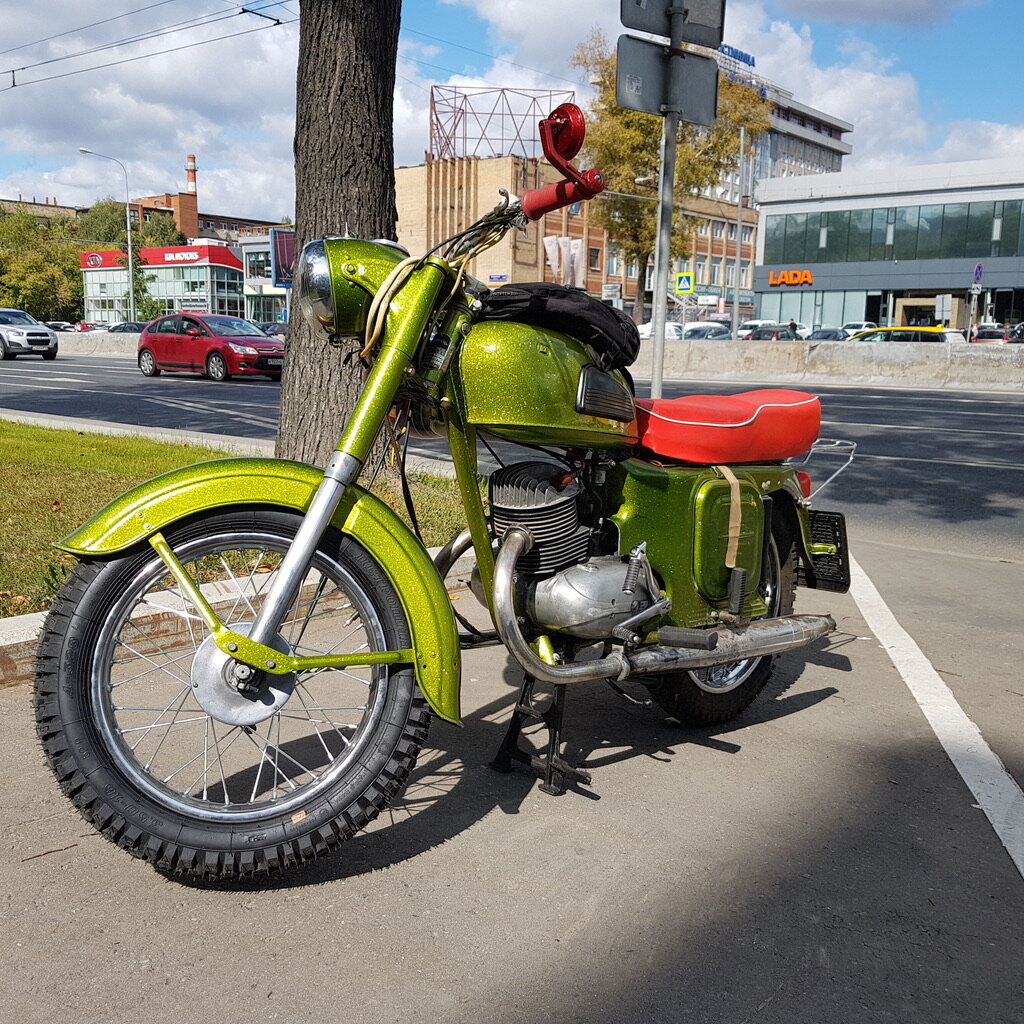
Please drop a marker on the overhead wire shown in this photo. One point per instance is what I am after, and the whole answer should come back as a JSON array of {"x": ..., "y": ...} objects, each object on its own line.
[
  {"x": 83, "y": 28},
  {"x": 203, "y": 20},
  {"x": 142, "y": 56}
]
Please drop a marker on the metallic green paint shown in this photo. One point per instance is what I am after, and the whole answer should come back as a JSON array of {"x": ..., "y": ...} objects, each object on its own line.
[
  {"x": 244, "y": 649},
  {"x": 357, "y": 270},
  {"x": 261, "y": 483},
  {"x": 679, "y": 511},
  {"x": 521, "y": 382}
]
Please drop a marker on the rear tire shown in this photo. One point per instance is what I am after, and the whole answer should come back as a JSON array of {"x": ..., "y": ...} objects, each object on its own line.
[
  {"x": 172, "y": 764},
  {"x": 147, "y": 364},
  {"x": 715, "y": 695}
]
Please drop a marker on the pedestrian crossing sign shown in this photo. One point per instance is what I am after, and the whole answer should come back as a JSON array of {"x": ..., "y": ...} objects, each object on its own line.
[{"x": 684, "y": 284}]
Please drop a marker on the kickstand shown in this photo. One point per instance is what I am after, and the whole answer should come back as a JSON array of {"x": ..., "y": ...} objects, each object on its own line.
[{"x": 555, "y": 769}]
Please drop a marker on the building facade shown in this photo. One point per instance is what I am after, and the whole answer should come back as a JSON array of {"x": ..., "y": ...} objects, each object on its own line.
[
  {"x": 200, "y": 278},
  {"x": 264, "y": 301},
  {"x": 441, "y": 197},
  {"x": 920, "y": 245}
]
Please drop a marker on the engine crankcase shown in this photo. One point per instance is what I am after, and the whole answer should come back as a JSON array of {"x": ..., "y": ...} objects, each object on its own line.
[{"x": 587, "y": 600}]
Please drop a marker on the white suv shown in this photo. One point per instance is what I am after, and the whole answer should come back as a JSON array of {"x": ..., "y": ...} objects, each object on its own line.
[{"x": 21, "y": 334}]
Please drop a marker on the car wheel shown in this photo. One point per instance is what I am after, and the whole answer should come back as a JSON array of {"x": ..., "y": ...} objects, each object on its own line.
[
  {"x": 147, "y": 364},
  {"x": 216, "y": 368},
  {"x": 5, "y": 352},
  {"x": 50, "y": 356}
]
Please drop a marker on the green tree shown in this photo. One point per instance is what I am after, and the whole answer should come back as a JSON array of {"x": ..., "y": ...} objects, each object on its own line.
[
  {"x": 161, "y": 231},
  {"x": 103, "y": 222},
  {"x": 626, "y": 145},
  {"x": 39, "y": 267}
]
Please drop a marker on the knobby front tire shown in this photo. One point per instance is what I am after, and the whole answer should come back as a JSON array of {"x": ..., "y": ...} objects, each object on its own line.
[{"x": 173, "y": 768}]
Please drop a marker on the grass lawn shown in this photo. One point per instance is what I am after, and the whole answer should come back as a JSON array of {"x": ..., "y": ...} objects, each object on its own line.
[{"x": 52, "y": 481}]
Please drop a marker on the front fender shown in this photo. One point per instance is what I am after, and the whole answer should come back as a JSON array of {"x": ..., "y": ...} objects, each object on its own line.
[{"x": 154, "y": 505}]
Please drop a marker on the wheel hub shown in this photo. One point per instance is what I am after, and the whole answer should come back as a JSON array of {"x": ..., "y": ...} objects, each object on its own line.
[{"x": 215, "y": 684}]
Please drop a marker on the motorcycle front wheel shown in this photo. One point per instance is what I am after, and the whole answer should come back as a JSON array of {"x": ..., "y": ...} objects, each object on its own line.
[
  {"x": 168, "y": 760},
  {"x": 711, "y": 696}
]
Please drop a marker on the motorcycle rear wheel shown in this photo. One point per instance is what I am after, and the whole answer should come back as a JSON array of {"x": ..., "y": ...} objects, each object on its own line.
[
  {"x": 715, "y": 695},
  {"x": 190, "y": 775}
]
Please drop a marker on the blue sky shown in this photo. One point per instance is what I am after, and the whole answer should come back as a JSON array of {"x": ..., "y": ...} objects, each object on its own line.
[{"x": 922, "y": 81}]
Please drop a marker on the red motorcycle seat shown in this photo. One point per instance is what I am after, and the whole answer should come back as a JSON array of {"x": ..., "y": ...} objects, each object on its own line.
[{"x": 755, "y": 426}]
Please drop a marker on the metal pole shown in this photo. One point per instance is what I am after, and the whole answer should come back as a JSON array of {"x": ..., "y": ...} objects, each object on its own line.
[
  {"x": 667, "y": 183},
  {"x": 128, "y": 227},
  {"x": 663, "y": 249},
  {"x": 739, "y": 238}
]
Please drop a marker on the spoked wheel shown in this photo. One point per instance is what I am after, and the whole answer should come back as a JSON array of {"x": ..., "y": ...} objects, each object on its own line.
[
  {"x": 146, "y": 730},
  {"x": 710, "y": 696},
  {"x": 216, "y": 368}
]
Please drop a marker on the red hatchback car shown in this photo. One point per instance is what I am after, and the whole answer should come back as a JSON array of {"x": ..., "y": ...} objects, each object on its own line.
[{"x": 221, "y": 347}]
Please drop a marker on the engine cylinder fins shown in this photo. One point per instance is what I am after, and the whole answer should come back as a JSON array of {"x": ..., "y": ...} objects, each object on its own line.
[{"x": 543, "y": 498}]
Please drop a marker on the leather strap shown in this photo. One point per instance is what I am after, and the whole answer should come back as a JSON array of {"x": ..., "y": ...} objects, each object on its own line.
[{"x": 735, "y": 516}]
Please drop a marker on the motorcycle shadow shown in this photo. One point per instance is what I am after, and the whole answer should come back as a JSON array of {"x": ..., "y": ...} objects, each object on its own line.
[{"x": 453, "y": 787}]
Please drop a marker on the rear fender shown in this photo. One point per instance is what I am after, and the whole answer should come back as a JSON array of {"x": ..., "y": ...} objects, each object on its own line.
[{"x": 156, "y": 504}]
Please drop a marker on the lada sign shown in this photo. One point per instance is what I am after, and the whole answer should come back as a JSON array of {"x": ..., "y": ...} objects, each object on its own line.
[{"x": 790, "y": 277}]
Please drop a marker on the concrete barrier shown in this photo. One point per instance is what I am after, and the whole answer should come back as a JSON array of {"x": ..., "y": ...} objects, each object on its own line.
[
  {"x": 945, "y": 365},
  {"x": 942, "y": 365},
  {"x": 97, "y": 343}
]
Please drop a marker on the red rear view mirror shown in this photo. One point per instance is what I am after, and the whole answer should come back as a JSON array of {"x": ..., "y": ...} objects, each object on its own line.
[{"x": 566, "y": 130}]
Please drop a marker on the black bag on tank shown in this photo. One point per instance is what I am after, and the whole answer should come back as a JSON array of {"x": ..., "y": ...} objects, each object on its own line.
[{"x": 610, "y": 334}]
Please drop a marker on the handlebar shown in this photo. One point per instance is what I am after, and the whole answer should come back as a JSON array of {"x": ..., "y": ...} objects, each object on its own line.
[{"x": 536, "y": 202}]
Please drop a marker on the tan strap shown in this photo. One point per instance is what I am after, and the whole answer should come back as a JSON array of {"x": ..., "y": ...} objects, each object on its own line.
[{"x": 735, "y": 516}]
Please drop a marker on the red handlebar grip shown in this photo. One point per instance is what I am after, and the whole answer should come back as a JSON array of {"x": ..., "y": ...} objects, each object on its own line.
[{"x": 539, "y": 201}]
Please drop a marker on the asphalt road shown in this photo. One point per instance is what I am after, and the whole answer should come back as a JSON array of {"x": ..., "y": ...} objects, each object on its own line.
[{"x": 837, "y": 854}]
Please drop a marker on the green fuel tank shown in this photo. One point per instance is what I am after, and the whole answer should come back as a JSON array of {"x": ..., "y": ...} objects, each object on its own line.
[{"x": 539, "y": 386}]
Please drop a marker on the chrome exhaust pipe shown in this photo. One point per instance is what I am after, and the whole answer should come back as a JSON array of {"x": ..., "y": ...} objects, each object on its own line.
[{"x": 753, "y": 640}]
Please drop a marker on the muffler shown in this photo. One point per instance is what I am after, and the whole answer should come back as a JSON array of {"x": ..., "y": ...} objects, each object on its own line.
[{"x": 753, "y": 640}]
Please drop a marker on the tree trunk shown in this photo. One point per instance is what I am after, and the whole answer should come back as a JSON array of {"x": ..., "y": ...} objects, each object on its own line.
[{"x": 344, "y": 184}]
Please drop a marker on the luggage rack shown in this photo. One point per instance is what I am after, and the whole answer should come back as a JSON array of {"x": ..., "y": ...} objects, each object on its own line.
[{"x": 826, "y": 446}]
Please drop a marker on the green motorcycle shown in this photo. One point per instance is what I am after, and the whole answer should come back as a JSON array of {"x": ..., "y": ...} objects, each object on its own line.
[{"x": 240, "y": 672}]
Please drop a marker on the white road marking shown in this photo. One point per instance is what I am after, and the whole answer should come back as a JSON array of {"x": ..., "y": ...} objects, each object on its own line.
[{"x": 997, "y": 793}]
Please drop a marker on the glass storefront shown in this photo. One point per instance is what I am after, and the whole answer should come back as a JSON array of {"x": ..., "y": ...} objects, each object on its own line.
[{"x": 978, "y": 230}]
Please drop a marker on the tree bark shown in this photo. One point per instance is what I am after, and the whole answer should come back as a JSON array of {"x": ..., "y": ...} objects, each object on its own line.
[{"x": 344, "y": 185}]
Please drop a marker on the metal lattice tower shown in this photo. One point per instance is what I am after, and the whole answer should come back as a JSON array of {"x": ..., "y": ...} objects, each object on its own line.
[{"x": 488, "y": 122}]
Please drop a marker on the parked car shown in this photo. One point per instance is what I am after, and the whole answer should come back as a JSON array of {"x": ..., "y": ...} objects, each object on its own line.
[
  {"x": 827, "y": 334},
  {"x": 274, "y": 327},
  {"x": 673, "y": 330},
  {"x": 996, "y": 336},
  {"x": 23, "y": 335},
  {"x": 59, "y": 325},
  {"x": 710, "y": 331},
  {"x": 853, "y": 327},
  {"x": 221, "y": 347},
  {"x": 903, "y": 334},
  {"x": 128, "y": 327},
  {"x": 776, "y": 332},
  {"x": 745, "y": 328},
  {"x": 86, "y": 325}
]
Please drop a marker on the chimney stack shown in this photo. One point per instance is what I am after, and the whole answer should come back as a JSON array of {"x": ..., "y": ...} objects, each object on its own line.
[{"x": 190, "y": 173}]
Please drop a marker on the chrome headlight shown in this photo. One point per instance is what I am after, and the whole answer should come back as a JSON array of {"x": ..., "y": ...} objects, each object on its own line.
[{"x": 315, "y": 294}]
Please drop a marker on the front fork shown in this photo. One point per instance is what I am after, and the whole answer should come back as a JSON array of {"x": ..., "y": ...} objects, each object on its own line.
[{"x": 408, "y": 317}]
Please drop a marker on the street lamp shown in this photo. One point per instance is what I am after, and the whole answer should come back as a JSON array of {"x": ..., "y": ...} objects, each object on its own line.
[{"x": 127, "y": 224}]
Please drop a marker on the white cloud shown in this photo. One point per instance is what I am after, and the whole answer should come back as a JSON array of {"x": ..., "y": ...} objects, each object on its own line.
[
  {"x": 232, "y": 103},
  {"x": 903, "y": 12}
]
